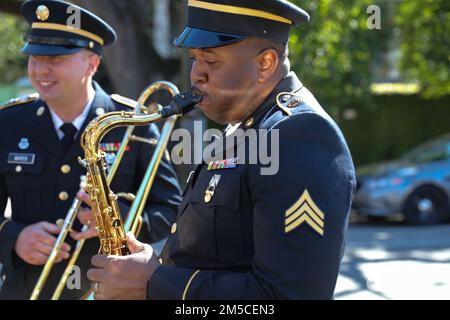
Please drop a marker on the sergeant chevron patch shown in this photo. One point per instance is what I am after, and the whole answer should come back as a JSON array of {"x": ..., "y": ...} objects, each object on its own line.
[{"x": 304, "y": 210}]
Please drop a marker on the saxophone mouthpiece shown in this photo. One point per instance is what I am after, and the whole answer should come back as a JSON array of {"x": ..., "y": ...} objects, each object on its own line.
[{"x": 181, "y": 104}]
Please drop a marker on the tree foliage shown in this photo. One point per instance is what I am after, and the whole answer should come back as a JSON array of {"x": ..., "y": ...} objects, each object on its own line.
[
  {"x": 12, "y": 62},
  {"x": 426, "y": 44},
  {"x": 335, "y": 52}
]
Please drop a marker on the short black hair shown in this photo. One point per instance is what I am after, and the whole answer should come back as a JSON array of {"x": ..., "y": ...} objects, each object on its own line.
[{"x": 261, "y": 45}]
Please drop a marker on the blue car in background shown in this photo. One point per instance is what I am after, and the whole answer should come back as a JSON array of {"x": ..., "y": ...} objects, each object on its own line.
[{"x": 417, "y": 185}]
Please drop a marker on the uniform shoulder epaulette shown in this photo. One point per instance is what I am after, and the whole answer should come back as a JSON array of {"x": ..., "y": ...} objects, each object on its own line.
[
  {"x": 287, "y": 101},
  {"x": 124, "y": 100},
  {"x": 19, "y": 101}
]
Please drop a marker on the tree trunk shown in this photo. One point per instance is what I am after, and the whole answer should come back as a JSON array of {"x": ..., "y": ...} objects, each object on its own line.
[
  {"x": 11, "y": 6},
  {"x": 132, "y": 61}
]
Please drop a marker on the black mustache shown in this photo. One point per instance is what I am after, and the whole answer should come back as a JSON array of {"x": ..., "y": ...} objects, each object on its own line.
[{"x": 197, "y": 91}]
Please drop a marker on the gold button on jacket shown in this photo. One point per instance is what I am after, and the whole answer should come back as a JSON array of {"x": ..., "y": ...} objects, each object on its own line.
[
  {"x": 65, "y": 169},
  {"x": 63, "y": 196}
]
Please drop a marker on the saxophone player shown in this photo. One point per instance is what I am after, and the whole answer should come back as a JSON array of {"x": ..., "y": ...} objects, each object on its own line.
[
  {"x": 39, "y": 139},
  {"x": 241, "y": 234}
]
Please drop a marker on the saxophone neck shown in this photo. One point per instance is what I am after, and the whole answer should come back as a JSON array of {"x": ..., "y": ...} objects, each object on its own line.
[{"x": 100, "y": 126}]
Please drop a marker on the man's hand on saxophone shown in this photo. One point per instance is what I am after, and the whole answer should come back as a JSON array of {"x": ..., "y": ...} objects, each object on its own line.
[{"x": 123, "y": 277}]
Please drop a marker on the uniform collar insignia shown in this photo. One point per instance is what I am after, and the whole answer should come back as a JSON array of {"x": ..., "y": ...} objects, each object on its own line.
[
  {"x": 287, "y": 100},
  {"x": 288, "y": 85}
]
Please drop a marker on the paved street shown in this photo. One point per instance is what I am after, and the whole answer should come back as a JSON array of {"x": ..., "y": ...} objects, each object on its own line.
[{"x": 390, "y": 260}]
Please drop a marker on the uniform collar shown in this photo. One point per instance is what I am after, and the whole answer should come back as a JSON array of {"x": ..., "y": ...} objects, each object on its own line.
[
  {"x": 101, "y": 104},
  {"x": 78, "y": 122},
  {"x": 41, "y": 121},
  {"x": 290, "y": 83}
]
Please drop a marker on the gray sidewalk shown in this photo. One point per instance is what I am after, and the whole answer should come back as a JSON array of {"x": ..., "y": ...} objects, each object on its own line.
[{"x": 395, "y": 261}]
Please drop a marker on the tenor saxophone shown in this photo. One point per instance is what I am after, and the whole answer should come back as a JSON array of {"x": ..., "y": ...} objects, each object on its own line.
[{"x": 105, "y": 206}]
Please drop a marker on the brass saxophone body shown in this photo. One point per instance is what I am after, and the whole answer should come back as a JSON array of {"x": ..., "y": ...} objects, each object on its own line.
[{"x": 105, "y": 208}]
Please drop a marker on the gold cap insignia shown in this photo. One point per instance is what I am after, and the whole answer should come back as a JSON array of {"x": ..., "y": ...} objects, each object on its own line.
[
  {"x": 42, "y": 13},
  {"x": 304, "y": 210}
]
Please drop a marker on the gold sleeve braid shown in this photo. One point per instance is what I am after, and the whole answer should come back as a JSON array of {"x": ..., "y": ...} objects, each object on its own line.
[
  {"x": 4, "y": 223},
  {"x": 188, "y": 284}
]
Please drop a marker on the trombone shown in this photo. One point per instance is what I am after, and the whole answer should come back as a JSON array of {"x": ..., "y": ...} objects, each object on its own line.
[{"x": 134, "y": 215}]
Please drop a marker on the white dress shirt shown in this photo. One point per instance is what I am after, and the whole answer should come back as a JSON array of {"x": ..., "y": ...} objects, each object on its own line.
[{"x": 78, "y": 122}]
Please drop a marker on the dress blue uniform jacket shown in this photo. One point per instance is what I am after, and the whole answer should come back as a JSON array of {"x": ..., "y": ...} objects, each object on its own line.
[
  {"x": 28, "y": 140},
  {"x": 265, "y": 236}
]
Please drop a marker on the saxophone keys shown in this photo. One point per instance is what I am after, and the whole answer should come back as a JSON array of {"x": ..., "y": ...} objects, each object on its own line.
[
  {"x": 108, "y": 211},
  {"x": 116, "y": 223}
]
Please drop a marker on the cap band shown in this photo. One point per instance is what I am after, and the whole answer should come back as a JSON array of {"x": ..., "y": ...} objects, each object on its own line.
[
  {"x": 58, "y": 41},
  {"x": 61, "y": 27},
  {"x": 237, "y": 10}
]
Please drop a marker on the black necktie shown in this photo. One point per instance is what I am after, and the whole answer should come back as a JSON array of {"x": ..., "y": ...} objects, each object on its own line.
[{"x": 69, "y": 132}]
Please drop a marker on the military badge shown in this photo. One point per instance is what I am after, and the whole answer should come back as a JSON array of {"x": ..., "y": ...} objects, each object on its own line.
[
  {"x": 23, "y": 144},
  {"x": 304, "y": 210},
  {"x": 223, "y": 164},
  {"x": 112, "y": 147},
  {"x": 211, "y": 189},
  {"x": 288, "y": 100}
]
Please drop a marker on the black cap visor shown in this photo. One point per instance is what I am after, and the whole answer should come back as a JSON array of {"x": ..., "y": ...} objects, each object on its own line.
[
  {"x": 195, "y": 38},
  {"x": 48, "y": 50}
]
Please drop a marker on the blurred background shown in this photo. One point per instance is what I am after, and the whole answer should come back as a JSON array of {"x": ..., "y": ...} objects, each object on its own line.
[{"x": 380, "y": 68}]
